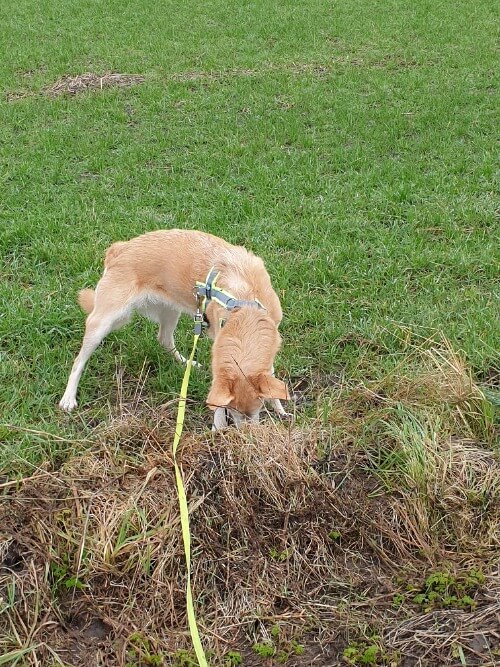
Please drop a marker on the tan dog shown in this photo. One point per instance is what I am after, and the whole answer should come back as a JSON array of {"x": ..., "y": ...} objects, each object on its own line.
[{"x": 156, "y": 275}]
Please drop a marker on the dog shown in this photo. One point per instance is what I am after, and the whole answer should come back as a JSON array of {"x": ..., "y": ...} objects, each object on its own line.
[{"x": 165, "y": 273}]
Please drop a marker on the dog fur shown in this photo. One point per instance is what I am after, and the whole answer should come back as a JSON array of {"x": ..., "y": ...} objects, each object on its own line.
[{"x": 155, "y": 274}]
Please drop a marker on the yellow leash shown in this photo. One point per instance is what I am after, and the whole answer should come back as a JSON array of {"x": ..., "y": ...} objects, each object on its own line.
[{"x": 183, "y": 508}]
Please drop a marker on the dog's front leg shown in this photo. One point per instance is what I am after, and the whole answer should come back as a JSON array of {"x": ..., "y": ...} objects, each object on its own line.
[
  {"x": 168, "y": 318},
  {"x": 278, "y": 407},
  {"x": 280, "y": 410},
  {"x": 220, "y": 419}
]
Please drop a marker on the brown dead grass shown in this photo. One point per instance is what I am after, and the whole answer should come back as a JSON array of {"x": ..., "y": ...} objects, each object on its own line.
[
  {"x": 72, "y": 85},
  {"x": 311, "y": 529}
]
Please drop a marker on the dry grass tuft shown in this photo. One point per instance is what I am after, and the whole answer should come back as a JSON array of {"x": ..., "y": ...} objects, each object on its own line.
[
  {"x": 311, "y": 540},
  {"x": 72, "y": 85}
]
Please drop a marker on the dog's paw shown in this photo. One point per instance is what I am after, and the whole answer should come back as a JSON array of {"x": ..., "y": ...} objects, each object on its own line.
[
  {"x": 68, "y": 403},
  {"x": 286, "y": 417},
  {"x": 182, "y": 359}
]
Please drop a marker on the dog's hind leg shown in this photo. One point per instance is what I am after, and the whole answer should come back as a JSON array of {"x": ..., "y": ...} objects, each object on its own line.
[{"x": 106, "y": 317}]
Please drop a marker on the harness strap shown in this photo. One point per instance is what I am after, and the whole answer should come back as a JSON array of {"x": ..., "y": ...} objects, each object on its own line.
[{"x": 208, "y": 291}]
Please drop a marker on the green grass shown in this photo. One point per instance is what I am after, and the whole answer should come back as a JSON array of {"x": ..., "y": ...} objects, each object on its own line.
[{"x": 349, "y": 144}]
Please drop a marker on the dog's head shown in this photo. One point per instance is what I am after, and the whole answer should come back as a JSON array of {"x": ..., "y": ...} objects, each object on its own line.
[
  {"x": 242, "y": 357},
  {"x": 244, "y": 396}
]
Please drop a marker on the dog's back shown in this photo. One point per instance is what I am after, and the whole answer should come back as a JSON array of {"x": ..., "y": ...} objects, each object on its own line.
[{"x": 170, "y": 262}]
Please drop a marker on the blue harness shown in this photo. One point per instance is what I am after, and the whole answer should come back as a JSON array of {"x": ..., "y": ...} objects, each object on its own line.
[{"x": 208, "y": 291}]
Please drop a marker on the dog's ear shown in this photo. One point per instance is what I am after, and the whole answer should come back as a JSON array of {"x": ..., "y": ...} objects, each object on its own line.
[
  {"x": 219, "y": 395},
  {"x": 270, "y": 387}
]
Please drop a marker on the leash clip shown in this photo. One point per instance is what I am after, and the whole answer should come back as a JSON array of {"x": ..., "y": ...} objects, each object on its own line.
[
  {"x": 198, "y": 322},
  {"x": 199, "y": 318}
]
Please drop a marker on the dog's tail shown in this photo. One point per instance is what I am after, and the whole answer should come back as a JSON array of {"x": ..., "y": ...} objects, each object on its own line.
[{"x": 86, "y": 298}]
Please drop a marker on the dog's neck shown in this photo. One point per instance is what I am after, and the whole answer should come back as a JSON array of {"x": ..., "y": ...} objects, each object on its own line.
[{"x": 247, "y": 343}]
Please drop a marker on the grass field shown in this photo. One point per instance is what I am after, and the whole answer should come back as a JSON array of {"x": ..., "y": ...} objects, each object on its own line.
[{"x": 350, "y": 144}]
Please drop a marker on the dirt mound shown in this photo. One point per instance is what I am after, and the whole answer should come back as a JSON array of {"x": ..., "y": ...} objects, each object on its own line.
[
  {"x": 281, "y": 539},
  {"x": 367, "y": 539}
]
